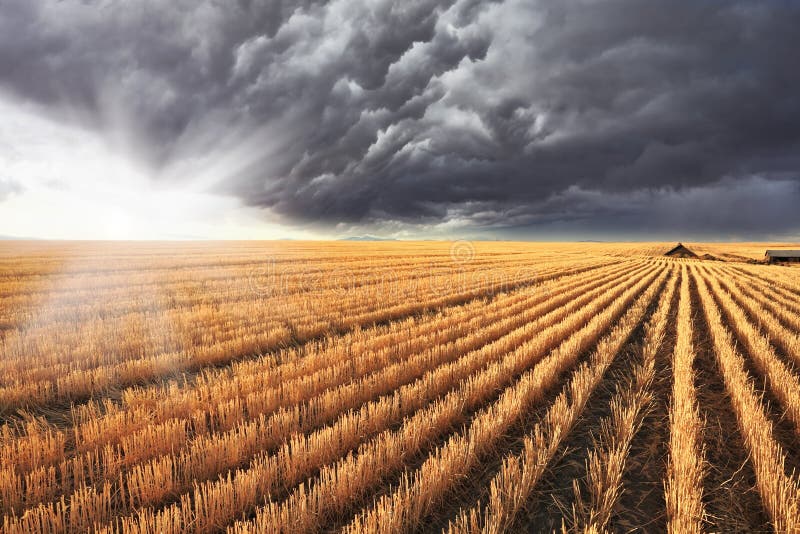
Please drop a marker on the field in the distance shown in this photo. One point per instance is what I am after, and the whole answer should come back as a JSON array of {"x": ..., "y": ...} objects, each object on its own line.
[{"x": 397, "y": 387}]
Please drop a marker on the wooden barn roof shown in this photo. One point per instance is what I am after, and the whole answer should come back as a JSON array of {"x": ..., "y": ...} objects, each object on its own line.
[
  {"x": 783, "y": 253},
  {"x": 680, "y": 250}
]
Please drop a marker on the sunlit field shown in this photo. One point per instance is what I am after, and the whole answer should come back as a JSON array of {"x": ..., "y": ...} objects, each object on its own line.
[{"x": 357, "y": 387}]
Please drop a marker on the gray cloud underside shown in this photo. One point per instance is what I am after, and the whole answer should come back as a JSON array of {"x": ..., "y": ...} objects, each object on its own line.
[
  {"x": 8, "y": 187},
  {"x": 499, "y": 114}
]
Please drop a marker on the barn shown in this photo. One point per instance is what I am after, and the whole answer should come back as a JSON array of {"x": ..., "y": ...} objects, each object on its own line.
[
  {"x": 680, "y": 251},
  {"x": 780, "y": 256}
]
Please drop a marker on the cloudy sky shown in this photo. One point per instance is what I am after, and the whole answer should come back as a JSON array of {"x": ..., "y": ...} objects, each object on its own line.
[{"x": 524, "y": 119}]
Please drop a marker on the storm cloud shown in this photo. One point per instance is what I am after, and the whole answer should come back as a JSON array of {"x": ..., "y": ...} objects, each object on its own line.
[{"x": 511, "y": 116}]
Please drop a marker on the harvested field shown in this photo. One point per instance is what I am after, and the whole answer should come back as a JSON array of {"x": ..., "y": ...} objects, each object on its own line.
[{"x": 300, "y": 387}]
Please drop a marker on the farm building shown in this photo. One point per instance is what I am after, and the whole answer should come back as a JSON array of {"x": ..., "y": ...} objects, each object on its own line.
[
  {"x": 774, "y": 256},
  {"x": 679, "y": 251}
]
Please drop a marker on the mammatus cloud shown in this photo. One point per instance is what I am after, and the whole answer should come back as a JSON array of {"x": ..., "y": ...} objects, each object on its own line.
[{"x": 515, "y": 116}]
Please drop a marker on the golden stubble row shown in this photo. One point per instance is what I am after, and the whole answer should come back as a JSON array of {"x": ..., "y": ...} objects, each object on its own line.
[
  {"x": 780, "y": 377},
  {"x": 192, "y": 338},
  {"x": 683, "y": 488},
  {"x": 268, "y": 284},
  {"x": 768, "y": 315},
  {"x": 289, "y": 427},
  {"x": 211, "y": 453},
  {"x": 775, "y": 289},
  {"x": 303, "y": 510},
  {"x": 73, "y": 299},
  {"x": 780, "y": 492},
  {"x": 219, "y": 403},
  {"x": 513, "y": 486},
  {"x": 305, "y": 454},
  {"x": 606, "y": 461},
  {"x": 241, "y": 438}
]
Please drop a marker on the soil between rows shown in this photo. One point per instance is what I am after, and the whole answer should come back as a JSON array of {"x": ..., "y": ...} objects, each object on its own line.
[{"x": 730, "y": 498}]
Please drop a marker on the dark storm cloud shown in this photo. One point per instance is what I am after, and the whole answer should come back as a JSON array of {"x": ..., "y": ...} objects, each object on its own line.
[{"x": 503, "y": 114}]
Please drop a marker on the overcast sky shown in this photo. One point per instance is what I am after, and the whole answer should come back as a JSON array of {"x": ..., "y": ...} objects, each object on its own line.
[{"x": 526, "y": 119}]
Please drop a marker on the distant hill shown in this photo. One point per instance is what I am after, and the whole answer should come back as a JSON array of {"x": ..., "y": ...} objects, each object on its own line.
[{"x": 367, "y": 238}]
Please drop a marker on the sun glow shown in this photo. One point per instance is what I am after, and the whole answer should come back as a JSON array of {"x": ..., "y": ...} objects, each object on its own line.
[{"x": 70, "y": 183}]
